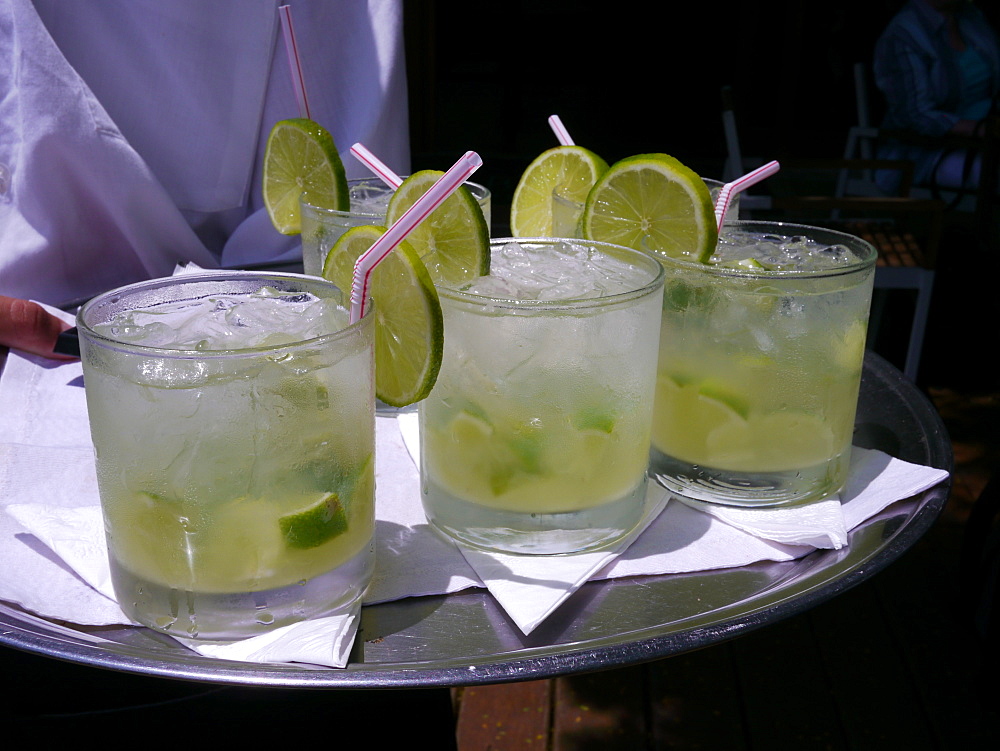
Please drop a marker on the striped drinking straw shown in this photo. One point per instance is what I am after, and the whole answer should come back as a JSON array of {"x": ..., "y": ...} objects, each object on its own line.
[
  {"x": 447, "y": 184},
  {"x": 376, "y": 165},
  {"x": 294, "y": 61},
  {"x": 737, "y": 186}
]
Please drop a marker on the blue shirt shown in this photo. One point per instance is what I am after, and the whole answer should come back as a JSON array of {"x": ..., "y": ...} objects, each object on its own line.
[
  {"x": 921, "y": 75},
  {"x": 929, "y": 86}
]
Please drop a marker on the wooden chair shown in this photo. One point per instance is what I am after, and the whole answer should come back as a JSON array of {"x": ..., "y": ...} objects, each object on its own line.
[{"x": 977, "y": 202}]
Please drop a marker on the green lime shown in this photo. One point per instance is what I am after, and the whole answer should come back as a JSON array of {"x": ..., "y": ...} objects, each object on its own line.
[
  {"x": 301, "y": 157},
  {"x": 314, "y": 525},
  {"x": 409, "y": 329},
  {"x": 454, "y": 241},
  {"x": 566, "y": 174},
  {"x": 653, "y": 202},
  {"x": 593, "y": 418}
]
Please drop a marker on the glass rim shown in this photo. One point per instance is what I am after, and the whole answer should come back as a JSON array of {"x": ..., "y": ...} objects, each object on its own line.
[
  {"x": 479, "y": 192},
  {"x": 866, "y": 252},
  {"x": 658, "y": 276},
  {"x": 207, "y": 276}
]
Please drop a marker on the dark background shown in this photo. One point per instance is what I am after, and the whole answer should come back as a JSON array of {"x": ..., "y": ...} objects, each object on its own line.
[{"x": 633, "y": 78}]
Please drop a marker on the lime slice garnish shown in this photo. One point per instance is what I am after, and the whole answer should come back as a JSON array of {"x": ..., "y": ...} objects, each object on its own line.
[
  {"x": 301, "y": 157},
  {"x": 653, "y": 202},
  {"x": 567, "y": 171},
  {"x": 409, "y": 329},
  {"x": 454, "y": 241}
]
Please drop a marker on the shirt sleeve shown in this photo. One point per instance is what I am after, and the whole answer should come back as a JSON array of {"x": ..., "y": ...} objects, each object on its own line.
[{"x": 904, "y": 72}]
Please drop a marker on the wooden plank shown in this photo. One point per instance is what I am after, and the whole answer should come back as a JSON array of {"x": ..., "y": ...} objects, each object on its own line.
[
  {"x": 505, "y": 717},
  {"x": 695, "y": 702},
  {"x": 787, "y": 701},
  {"x": 946, "y": 659},
  {"x": 870, "y": 685},
  {"x": 600, "y": 710}
]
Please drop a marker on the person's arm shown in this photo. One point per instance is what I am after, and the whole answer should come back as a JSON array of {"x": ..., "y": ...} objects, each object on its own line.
[{"x": 27, "y": 326}]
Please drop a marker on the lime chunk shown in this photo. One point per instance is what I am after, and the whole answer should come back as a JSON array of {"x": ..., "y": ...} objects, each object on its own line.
[
  {"x": 593, "y": 418},
  {"x": 409, "y": 329},
  {"x": 652, "y": 202},
  {"x": 685, "y": 417},
  {"x": 454, "y": 241},
  {"x": 776, "y": 442},
  {"x": 301, "y": 157},
  {"x": 316, "y": 524},
  {"x": 565, "y": 171}
]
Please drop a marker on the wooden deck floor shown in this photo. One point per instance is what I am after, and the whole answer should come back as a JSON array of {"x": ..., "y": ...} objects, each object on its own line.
[{"x": 893, "y": 663}]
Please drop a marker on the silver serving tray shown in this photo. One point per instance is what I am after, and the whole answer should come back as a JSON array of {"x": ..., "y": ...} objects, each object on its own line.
[{"x": 466, "y": 639}]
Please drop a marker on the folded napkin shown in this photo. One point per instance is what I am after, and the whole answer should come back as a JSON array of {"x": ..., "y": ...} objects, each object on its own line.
[
  {"x": 53, "y": 561},
  {"x": 692, "y": 536}
]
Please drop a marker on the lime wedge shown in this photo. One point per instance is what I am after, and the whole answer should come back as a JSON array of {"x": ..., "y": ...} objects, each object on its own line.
[
  {"x": 301, "y": 157},
  {"x": 591, "y": 418},
  {"x": 653, "y": 202},
  {"x": 454, "y": 241},
  {"x": 409, "y": 329},
  {"x": 565, "y": 171},
  {"x": 314, "y": 525}
]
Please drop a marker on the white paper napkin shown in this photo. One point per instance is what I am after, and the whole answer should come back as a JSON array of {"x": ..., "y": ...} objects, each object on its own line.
[
  {"x": 692, "y": 536},
  {"x": 46, "y": 465},
  {"x": 319, "y": 641}
]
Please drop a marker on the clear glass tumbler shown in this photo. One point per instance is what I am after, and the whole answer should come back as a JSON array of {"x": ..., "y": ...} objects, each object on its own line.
[
  {"x": 236, "y": 477},
  {"x": 321, "y": 228},
  {"x": 760, "y": 365},
  {"x": 535, "y": 438}
]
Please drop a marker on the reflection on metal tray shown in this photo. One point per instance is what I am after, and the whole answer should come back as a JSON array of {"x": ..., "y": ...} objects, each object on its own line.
[{"x": 466, "y": 639}]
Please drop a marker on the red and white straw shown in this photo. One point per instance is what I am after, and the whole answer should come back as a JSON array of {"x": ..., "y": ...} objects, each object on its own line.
[
  {"x": 560, "y": 130},
  {"x": 447, "y": 184},
  {"x": 738, "y": 186},
  {"x": 294, "y": 61},
  {"x": 376, "y": 165}
]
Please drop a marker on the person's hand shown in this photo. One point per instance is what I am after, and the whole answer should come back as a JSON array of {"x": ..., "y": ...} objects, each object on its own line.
[{"x": 27, "y": 326}]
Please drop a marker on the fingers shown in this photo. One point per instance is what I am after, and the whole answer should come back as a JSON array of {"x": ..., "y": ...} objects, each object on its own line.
[{"x": 28, "y": 327}]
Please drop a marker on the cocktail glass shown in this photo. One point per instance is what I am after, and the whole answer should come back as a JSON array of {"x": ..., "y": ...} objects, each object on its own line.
[
  {"x": 321, "y": 228},
  {"x": 236, "y": 479},
  {"x": 535, "y": 438},
  {"x": 760, "y": 365}
]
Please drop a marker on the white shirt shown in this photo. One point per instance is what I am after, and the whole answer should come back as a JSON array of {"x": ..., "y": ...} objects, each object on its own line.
[{"x": 132, "y": 132}]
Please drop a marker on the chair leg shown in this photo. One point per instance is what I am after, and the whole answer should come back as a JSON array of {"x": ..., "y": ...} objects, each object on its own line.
[
  {"x": 919, "y": 327},
  {"x": 875, "y": 315}
]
